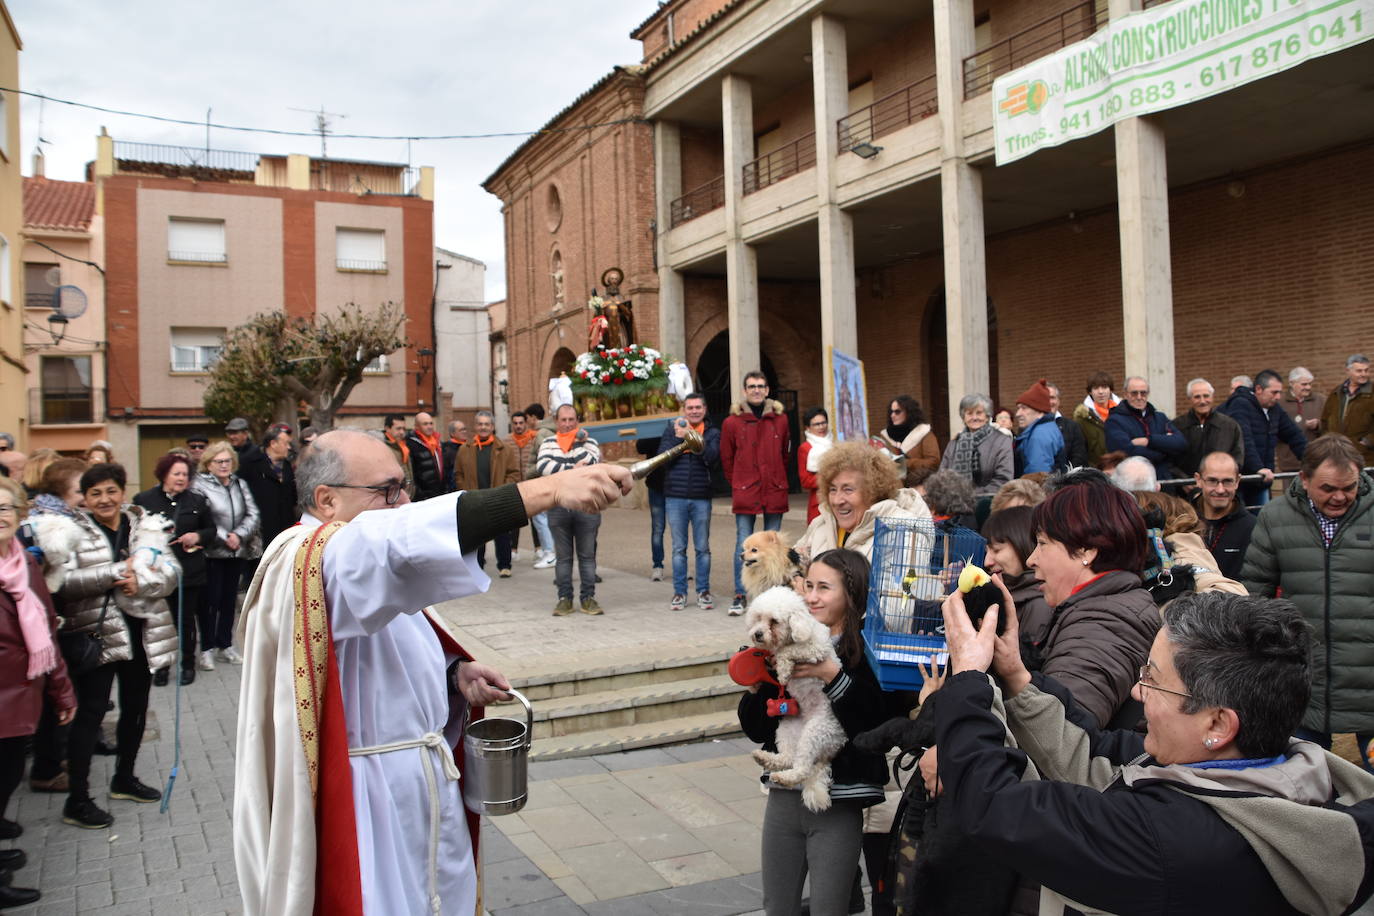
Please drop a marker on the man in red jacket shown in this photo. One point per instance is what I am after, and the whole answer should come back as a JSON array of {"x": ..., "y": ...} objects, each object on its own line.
[{"x": 754, "y": 441}]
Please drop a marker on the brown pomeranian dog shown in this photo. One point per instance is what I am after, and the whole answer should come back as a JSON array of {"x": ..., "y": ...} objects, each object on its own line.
[{"x": 768, "y": 562}]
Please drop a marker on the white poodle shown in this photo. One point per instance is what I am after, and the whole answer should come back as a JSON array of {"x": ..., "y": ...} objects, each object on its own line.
[{"x": 779, "y": 621}]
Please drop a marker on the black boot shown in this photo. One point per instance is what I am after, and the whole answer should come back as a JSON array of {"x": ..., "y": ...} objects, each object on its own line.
[
  {"x": 188, "y": 676},
  {"x": 9, "y": 830},
  {"x": 12, "y": 859},
  {"x": 161, "y": 676},
  {"x": 15, "y": 896}
]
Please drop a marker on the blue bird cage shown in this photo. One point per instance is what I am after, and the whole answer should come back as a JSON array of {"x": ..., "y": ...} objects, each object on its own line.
[{"x": 915, "y": 564}]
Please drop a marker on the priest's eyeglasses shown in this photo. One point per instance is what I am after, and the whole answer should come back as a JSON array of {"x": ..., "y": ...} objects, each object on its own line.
[{"x": 391, "y": 490}]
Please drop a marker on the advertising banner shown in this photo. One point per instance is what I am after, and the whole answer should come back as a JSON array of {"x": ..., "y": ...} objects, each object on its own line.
[{"x": 1162, "y": 58}]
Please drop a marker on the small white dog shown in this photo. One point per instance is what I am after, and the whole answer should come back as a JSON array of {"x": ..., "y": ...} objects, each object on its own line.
[{"x": 779, "y": 621}]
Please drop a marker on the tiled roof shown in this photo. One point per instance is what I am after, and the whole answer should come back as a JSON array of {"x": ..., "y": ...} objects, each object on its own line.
[
  {"x": 705, "y": 24},
  {"x": 52, "y": 204}
]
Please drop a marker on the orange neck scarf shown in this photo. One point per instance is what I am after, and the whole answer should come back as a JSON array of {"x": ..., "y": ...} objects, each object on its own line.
[
  {"x": 522, "y": 439},
  {"x": 431, "y": 442},
  {"x": 401, "y": 444},
  {"x": 483, "y": 443},
  {"x": 698, "y": 428},
  {"x": 565, "y": 440}
]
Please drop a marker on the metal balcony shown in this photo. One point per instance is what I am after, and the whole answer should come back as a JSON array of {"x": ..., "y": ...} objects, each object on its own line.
[
  {"x": 890, "y": 113},
  {"x": 783, "y": 162},
  {"x": 1045, "y": 37},
  {"x": 699, "y": 200}
]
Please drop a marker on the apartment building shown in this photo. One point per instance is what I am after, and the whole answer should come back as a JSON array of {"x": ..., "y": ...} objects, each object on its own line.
[
  {"x": 462, "y": 367},
  {"x": 826, "y": 176},
  {"x": 13, "y": 415},
  {"x": 197, "y": 241},
  {"x": 64, "y": 313}
]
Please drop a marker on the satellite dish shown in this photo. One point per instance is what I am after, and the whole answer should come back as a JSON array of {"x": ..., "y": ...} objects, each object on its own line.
[
  {"x": 54, "y": 276},
  {"x": 69, "y": 301}
]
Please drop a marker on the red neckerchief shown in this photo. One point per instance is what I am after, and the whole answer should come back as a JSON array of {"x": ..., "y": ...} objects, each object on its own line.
[{"x": 523, "y": 439}]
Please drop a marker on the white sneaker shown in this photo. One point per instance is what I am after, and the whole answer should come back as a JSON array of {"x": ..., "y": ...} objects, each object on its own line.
[
  {"x": 546, "y": 562},
  {"x": 657, "y": 575},
  {"x": 230, "y": 655},
  {"x": 514, "y": 555},
  {"x": 206, "y": 661}
]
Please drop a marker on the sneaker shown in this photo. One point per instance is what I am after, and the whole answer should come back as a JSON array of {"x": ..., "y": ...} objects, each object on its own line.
[
  {"x": 504, "y": 573},
  {"x": 207, "y": 661},
  {"x": 129, "y": 788},
  {"x": 230, "y": 655},
  {"x": 678, "y": 603},
  {"x": 545, "y": 562},
  {"x": 86, "y": 814},
  {"x": 57, "y": 784},
  {"x": 515, "y": 556},
  {"x": 590, "y": 607},
  {"x": 737, "y": 606},
  {"x": 563, "y": 608},
  {"x": 657, "y": 574},
  {"x": 705, "y": 601}
]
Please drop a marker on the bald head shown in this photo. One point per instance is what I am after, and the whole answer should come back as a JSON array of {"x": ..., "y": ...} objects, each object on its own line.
[
  {"x": 424, "y": 424},
  {"x": 337, "y": 469}
]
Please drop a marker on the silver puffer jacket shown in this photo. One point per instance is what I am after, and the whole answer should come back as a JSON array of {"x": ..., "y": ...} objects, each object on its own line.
[
  {"x": 81, "y": 592},
  {"x": 233, "y": 510}
]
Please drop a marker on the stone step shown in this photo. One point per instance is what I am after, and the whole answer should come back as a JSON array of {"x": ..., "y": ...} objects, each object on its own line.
[
  {"x": 645, "y": 704},
  {"x": 552, "y": 684},
  {"x": 684, "y": 730}
]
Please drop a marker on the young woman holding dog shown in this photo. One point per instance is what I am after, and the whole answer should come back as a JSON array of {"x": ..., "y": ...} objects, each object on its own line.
[{"x": 797, "y": 841}]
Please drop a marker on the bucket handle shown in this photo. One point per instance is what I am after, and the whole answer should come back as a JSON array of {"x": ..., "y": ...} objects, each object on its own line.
[{"x": 529, "y": 716}]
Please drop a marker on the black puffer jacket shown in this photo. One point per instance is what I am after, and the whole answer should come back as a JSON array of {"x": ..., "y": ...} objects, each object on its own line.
[
  {"x": 1334, "y": 588},
  {"x": 429, "y": 477}
]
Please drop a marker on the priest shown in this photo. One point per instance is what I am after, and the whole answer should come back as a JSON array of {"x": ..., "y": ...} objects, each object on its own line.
[{"x": 346, "y": 784}]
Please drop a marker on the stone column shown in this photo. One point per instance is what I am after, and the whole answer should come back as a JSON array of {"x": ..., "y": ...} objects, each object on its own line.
[
  {"x": 961, "y": 197},
  {"x": 1147, "y": 297},
  {"x": 741, "y": 260},
  {"x": 672, "y": 323},
  {"x": 835, "y": 227}
]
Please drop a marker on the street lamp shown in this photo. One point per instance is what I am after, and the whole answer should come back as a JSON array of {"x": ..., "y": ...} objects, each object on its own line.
[
  {"x": 425, "y": 357},
  {"x": 57, "y": 327}
]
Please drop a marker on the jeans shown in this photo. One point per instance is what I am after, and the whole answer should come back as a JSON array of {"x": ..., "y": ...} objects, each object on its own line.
[
  {"x": 221, "y": 591},
  {"x": 574, "y": 531},
  {"x": 1323, "y": 739},
  {"x": 542, "y": 534},
  {"x": 502, "y": 542},
  {"x": 697, "y": 512},
  {"x": 744, "y": 526},
  {"x": 92, "y": 696},
  {"x": 657, "y": 504}
]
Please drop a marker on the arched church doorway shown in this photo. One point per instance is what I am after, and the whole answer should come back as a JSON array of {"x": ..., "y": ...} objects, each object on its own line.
[
  {"x": 562, "y": 361},
  {"x": 713, "y": 380}
]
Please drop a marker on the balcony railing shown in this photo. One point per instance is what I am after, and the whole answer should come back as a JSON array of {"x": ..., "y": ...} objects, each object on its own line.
[
  {"x": 783, "y": 162},
  {"x": 361, "y": 265},
  {"x": 1045, "y": 37},
  {"x": 183, "y": 161},
  {"x": 66, "y": 405},
  {"x": 889, "y": 113},
  {"x": 400, "y": 181},
  {"x": 38, "y": 300},
  {"x": 703, "y": 199}
]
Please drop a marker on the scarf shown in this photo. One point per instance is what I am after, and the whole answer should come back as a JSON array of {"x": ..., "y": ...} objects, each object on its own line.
[
  {"x": 400, "y": 444},
  {"x": 566, "y": 440},
  {"x": 481, "y": 443},
  {"x": 819, "y": 446},
  {"x": 967, "y": 460},
  {"x": 33, "y": 616},
  {"x": 434, "y": 447},
  {"x": 523, "y": 439},
  {"x": 898, "y": 433},
  {"x": 48, "y": 504}
]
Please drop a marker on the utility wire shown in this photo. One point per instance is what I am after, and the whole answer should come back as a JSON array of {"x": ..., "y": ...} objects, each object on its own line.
[{"x": 311, "y": 133}]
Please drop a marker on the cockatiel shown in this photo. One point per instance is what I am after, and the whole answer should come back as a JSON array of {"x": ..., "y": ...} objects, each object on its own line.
[{"x": 981, "y": 593}]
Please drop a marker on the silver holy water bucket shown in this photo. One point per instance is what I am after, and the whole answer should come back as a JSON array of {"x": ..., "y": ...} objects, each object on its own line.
[{"x": 495, "y": 762}]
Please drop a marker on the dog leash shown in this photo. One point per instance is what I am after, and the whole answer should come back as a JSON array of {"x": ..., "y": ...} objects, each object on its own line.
[{"x": 176, "y": 719}]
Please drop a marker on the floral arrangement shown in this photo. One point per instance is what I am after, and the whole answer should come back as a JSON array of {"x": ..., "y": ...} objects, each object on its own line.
[{"x": 619, "y": 372}]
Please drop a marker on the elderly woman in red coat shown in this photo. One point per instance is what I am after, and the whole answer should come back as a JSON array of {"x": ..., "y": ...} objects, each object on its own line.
[{"x": 30, "y": 665}]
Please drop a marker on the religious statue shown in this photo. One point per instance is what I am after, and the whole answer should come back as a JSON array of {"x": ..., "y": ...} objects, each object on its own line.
[{"x": 612, "y": 322}]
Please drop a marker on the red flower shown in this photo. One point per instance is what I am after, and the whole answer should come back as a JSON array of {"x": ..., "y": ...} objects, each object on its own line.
[
  {"x": 605, "y": 377},
  {"x": 584, "y": 373},
  {"x": 619, "y": 380}
]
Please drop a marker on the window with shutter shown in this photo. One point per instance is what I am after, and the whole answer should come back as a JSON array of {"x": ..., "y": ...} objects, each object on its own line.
[
  {"x": 360, "y": 250},
  {"x": 196, "y": 241}
]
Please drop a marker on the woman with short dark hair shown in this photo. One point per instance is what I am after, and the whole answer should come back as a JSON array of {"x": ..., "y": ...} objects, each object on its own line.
[
  {"x": 192, "y": 528},
  {"x": 123, "y": 571},
  {"x": 1216, "y": 809},
  {"x": 1010, "y": 542}
]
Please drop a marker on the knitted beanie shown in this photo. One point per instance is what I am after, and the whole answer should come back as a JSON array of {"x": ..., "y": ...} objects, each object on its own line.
[{"x": 1036, "y": 397}]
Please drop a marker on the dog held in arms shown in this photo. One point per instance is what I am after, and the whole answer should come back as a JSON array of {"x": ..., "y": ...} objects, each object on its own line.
[
  {"x": 768, "y": 562},
  {"x": 778, "y": 620}
]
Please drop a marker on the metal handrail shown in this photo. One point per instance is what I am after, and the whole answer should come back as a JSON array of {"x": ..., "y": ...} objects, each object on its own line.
[
  {"x": 702, "y": 199},
  {"x": 1048, "y": 35},
  {"x": 1246, "y": 478},
  {"x": 130, "y": 156},
  {"x": 891, "y": 112},
  {"x": 787, "y": 160}
]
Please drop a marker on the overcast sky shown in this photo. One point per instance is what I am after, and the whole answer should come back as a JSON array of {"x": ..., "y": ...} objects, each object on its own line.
[{"x": 423, "y": 67}]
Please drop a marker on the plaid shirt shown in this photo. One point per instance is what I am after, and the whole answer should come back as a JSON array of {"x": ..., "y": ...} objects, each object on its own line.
[{"x": 1328, "y": 526}]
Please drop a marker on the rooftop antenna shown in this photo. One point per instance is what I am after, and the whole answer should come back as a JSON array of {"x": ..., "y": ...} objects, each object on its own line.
[{"x": 322, "y": 125}]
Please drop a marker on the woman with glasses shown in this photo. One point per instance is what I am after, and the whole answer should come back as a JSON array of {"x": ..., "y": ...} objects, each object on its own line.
[
  {"x": 818, "y": 442},
  {"x": 123, "y": 570},
  {"x": 1216, "y": 809},
  {"x": 32, "y": 670},
  {"x": 908, "y": 437},
  {"x": 235, "y": 517}
]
